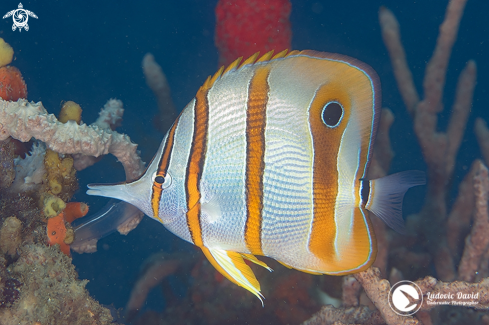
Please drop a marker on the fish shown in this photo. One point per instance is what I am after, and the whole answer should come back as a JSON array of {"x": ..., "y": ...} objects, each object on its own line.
[{"x": 270, "y": 159}]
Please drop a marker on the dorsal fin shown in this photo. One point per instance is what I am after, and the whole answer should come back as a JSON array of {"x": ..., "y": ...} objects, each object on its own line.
[
  {"x": 235, "y": 65},
  {"x": 250, "y": 60},
  {"x": 216, "y": 75},
  {"x": 265, "y": 57},
  {"x": 280, "y": 55},
  {"x": 294, "y": 52}
]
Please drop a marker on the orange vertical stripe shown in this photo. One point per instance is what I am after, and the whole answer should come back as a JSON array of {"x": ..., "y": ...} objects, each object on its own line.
[
  {"x": 162, "y": 169},
  {"x": 255, "y": 157},
  {"x": 326, "y": 143},
  {"x": 195, "y": 163}
]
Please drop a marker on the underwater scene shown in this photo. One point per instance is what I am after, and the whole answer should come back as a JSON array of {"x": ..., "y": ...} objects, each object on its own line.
[{"x": 155, "y": 169}]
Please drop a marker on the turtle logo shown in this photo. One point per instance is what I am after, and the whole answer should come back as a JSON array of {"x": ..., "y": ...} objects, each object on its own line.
[{"x": 20, "y": 17}]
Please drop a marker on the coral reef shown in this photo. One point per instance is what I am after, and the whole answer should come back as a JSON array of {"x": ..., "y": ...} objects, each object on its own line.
[
  {"x": 42, "y": 287},
  {"x": 434, "y": 234},
  {"x": 38, "y": 283}
]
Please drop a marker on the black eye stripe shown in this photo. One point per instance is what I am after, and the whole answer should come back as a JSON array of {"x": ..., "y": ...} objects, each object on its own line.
[{"x": 159, "y": 179}]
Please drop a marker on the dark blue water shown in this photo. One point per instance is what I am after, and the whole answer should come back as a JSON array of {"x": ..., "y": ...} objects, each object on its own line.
[{"x": 90, "y": 51}]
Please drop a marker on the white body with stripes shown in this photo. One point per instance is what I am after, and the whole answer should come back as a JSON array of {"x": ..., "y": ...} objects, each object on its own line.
[{"x": 269, "y": 159}]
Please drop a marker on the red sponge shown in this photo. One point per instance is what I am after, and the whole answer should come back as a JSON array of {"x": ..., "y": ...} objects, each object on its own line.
[{"x": 244, "y": 27}]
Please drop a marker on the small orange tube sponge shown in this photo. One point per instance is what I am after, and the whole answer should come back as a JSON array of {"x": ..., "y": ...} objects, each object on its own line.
[
  {"x": 75, "y": 210},
  {"x": 57, "y": 233},
  {"x": 70, "y": 111},
  {"x": 12, "y": 85},
  {"x": 56, "y": 228}
]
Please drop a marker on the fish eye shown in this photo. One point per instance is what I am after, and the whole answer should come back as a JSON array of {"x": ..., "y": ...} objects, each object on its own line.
[
  {"x": 332, "y": 114},
  {"x": 165, "y": 182}
]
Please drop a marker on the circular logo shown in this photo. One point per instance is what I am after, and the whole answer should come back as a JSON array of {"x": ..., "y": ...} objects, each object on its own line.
[{"x": 405, "y": 298}]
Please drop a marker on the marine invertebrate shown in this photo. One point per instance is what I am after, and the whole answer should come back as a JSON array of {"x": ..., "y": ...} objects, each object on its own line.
[
  {"x": 51, "y": 292},
  {"x": 56, "y": 226},
  {"x": 30, "y": 171},
  {"x": 10, "y": 236},
  {"x": 156, "y": 80},
  {"x": 23, "y": 120},
  {"x": 52, "y": 206},
  {"x": 12, "y": 85},
  {"x": 7, "y": 149},
  {"x": 70, "y": 111},
  {"x": 56, "y": 232},
  {"x": 6, "y": 53},
  {"x": 9, "y": 292},
  {"x": 244, "y": 27}
]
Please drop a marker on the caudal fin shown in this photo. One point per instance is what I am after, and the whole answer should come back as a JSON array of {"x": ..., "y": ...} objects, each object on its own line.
[{"x": 386, "y": 195}]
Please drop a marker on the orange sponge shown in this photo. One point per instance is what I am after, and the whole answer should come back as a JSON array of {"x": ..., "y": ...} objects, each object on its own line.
[{"x": 56, "y": 228}]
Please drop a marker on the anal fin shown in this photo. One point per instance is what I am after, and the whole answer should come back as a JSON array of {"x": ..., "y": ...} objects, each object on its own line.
[
  {"x": 252, "y": 258},
  {"x": 234, "y": 268},
  {"x": 293, "y": 268}
]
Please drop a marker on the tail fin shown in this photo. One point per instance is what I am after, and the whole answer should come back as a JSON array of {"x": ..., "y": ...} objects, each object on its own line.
[{"x": 386, "y": 195}]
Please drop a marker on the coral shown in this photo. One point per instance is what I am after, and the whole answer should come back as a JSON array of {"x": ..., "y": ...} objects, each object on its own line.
[
  {"x": 433, "y": 225},
  {"x": 244, "y": 27},
  {"x": 10, "y": 236},
  {"x": 50, "y": 292},
  {"x": 158, "y": 268},
  {"x": 70, "y": 111},
  {"x": 23, "y": 120},
  {"x": 12, "y": 85},
  {"x": 156, "y": 80},
  {"x": 6, "y": 53}
]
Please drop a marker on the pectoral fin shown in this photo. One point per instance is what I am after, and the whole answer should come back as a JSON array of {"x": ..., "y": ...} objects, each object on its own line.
[{"x": 234, "y": 268}]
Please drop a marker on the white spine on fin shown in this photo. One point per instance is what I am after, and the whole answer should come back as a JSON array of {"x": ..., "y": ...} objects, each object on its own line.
[{"x": 386, "y": 195}]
